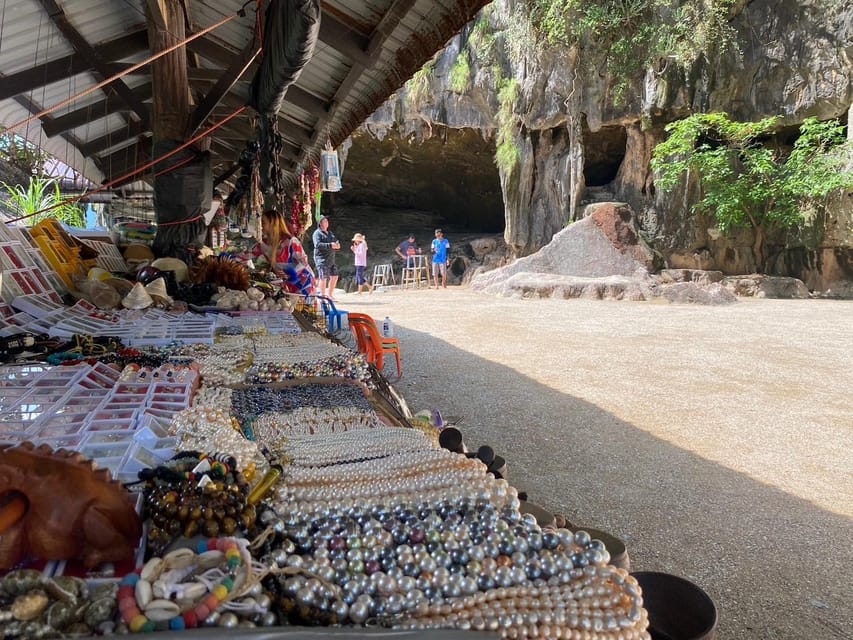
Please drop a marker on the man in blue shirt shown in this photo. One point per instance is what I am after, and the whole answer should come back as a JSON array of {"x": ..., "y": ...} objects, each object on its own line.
[{"x": 440, "y": 245}]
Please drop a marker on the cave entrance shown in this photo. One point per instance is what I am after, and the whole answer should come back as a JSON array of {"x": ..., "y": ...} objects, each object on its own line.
[
  {"x": 604, "y": 151},
  {"x": 452, "y": 174}
]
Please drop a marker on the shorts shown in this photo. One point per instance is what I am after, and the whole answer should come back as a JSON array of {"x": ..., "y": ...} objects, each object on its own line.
[
  {"x": 439, "y": 268},
  {"x": 359, "y": 275},
  {"x": 327, "y": 271}
]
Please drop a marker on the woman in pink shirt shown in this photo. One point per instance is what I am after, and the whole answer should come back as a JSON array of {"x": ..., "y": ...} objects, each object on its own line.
[{"x": 359, "y": 249}]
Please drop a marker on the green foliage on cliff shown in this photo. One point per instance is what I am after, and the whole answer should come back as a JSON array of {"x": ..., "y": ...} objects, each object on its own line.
[
  {"x": 507, "y": 153},
  {"x": 460, "y": 73},
  {"x": 745, "y": 180},
  {"x": 627, "y": 36},
  {"x": 419, "y": 87}
]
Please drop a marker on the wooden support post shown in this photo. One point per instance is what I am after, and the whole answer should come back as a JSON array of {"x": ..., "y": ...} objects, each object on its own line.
[
  {"x": 183, "y": 194},
  {"x": 171, "y": 110}
]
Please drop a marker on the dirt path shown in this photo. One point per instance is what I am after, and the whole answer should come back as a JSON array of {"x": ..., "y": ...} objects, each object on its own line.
[{"x": 717, "y": 441}]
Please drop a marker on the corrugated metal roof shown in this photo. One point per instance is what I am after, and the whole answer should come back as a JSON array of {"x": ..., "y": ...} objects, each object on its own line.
[{"x": 367, "y": 50}]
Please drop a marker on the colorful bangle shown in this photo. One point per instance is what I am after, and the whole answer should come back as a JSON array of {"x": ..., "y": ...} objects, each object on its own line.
[{"x": 138, "y": 622}]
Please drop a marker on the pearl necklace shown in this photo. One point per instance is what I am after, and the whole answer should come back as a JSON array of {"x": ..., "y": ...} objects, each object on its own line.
[
  {"x": 348, "y": 446},
  {"x": 600, "y": 603}
]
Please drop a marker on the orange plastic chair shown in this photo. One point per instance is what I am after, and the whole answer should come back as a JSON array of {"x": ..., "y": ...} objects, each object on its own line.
[{"x": 371, "y": 342}]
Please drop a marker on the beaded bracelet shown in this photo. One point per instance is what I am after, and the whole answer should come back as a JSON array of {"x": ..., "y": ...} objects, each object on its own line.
[{"x": 137, "y": 621}]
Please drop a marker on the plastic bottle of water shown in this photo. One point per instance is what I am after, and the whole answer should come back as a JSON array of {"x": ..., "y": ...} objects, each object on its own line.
[{"x": 387, "y": 328}]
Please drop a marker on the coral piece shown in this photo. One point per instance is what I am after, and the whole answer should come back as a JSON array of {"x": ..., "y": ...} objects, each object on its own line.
[
  {"x": 222, "y": 271},
  {"x": 74, "y": 510}
]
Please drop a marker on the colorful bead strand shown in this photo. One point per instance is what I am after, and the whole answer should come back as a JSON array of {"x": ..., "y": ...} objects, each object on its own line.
[{"x": 135, "y": 617}]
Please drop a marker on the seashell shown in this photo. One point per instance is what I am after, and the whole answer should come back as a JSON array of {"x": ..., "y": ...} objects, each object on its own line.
[
  {"x": 60, "y": 614},
  {"x": 143, "y": 593},
  {"x": 193, "y": 591},
  {"x": 179, "y": 559},
  {"x": 78, "y": 629},
  {"x": 105, "y": 590},
  {"x": 157, "y": 290},
  {"x": 152, "y": 569},
  {"x": 29, "y": 606},
  {"x": 67, "y": 588},
  {"x": 159, "y": 610},
  {"x": 171, "y": 578},
  {"x": 159, "y": 589},
  {"x": 99, "y": 611},
  {"x": 138, "y": 298},
  {"x": 210, "y": 559}
]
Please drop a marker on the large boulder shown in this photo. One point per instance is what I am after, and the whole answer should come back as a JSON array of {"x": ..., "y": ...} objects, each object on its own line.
[{"x": 605, "y": 244}]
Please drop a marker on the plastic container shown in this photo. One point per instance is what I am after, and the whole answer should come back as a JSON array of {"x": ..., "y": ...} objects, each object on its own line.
[{"x": 387, "y": 328}]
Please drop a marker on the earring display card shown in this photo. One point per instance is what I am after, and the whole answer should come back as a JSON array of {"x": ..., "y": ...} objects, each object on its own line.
[
  {"x": 14, "y": 256},
  {"x": 36, "y": 305}
]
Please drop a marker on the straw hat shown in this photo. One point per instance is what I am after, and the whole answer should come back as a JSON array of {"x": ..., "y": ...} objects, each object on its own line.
[
  {"x": 138, "y": 252},
  {"x": 180, "y": 268},
  {"x": 157, "y": 290},
  {"x": 138, "y": 298},
  {"x": 358, "y": 236}
]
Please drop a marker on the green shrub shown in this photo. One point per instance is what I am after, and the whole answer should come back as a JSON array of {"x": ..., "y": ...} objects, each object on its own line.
[{"x": 43, "y": 193}]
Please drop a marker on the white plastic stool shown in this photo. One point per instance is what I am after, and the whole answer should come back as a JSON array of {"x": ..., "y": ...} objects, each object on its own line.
[{"x": 383, "y": 275}]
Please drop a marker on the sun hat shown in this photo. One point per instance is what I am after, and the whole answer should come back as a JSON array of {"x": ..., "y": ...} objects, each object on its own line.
[
  {"x": 173, "y": 264},
  {"x": 358, "y": 236}
]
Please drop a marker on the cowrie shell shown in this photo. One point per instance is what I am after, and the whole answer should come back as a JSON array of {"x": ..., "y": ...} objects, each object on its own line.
[
  {"x": 151, "y": 570},
  {"x": 210, "y": 559},
  {"x": 178, "y": 559},
  {"x": 193, "y": 591},
  {"x": 159, "y": 610},
  {"x": 143, "y": 593}
]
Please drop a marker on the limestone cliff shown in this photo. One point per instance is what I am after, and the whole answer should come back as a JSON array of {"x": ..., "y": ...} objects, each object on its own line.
[{"x": 433, "y": 145}]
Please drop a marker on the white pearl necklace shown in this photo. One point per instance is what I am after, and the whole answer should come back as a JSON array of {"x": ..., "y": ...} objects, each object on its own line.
[{"x": 334, "y": 448}]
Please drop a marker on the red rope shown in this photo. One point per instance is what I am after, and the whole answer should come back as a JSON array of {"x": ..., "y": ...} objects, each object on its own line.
[
  {"x": 138, "y": 65},
  {"x": 137, "y": 170},
  {"x": 170, "y": 224}
]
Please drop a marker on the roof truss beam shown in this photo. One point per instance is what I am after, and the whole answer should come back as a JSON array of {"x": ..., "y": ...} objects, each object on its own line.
[
  {"x": 220, "y": 90},
  {"x": 89, "y": 53},
  {"x": 25, "y": 81},
  {"x": 108, "y": 106},
  {"x": 340, "y": 37}
]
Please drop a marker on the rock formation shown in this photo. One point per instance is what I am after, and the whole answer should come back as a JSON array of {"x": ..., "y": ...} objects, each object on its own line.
[{"x": 579, "y": 145}]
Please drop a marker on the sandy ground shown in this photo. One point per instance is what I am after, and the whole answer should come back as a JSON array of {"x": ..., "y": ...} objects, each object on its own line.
[{"x": 716, "y": 441}]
